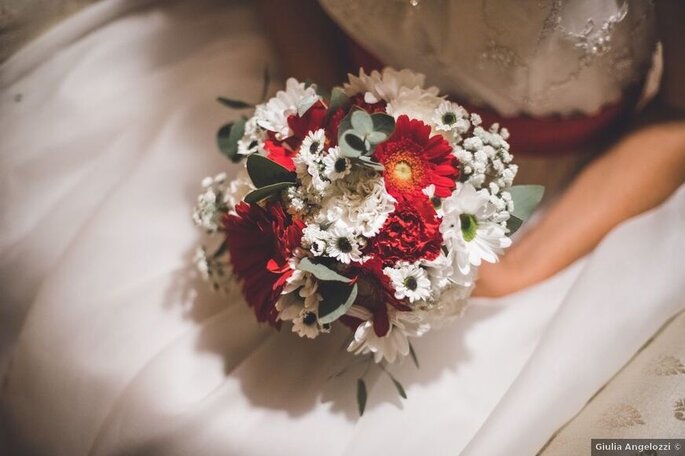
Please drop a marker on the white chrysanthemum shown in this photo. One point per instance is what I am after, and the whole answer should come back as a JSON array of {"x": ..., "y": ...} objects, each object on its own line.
[
  {"x": 237, "y": 189},
  {"x": 392, "y": 345},
  {"x": 467, "y": 229},
  {"x": 314, "y": 142},
  {"x": 212, "y": 203},
  {"x": 336, "y": 166},
  {"x": 215, "y": 271},
  {"x": 314, "y": 239},
  {"x": 252, "y": 138},
  {"x": 410, "y": 281},
  {"x": 273, "y": 115},
  {"x": 415, "y": 103},
  {"x": 343, "y": 245},
  {"x": 451, "y": 117},
  {"x": 385, "y": 85}
]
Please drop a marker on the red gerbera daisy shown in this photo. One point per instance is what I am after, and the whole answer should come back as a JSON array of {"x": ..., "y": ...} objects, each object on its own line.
[
  {"x": 375, "y": 291},
  {"x": 413, "y": 160},
  {"x": 260, "y": 242},
  {"x": 410, "y": 233}
]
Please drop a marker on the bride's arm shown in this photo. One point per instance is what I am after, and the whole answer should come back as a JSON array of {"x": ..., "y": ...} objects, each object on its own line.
[
  {"x": 307, "y": 43},
  {"x": 637, "y": 174}
]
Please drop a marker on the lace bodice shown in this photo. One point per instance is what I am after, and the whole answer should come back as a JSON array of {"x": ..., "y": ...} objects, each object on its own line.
[{"x": 536, "y": 57}]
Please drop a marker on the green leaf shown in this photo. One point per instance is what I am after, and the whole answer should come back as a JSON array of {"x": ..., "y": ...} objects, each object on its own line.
[
  {"x": 265, "y": 84},
  {"x": 259, "y": 194},
  {"x": 526, "y": 198},
  {"x": 361, "y": 122},
  {"x": 338, "y": 99},
  {"x": 383, "y": 123},
  {"x": 398, "y": 386},
  {"x": 305, "y": 104},
  {"x": 234, "y": 104},
  {"x": 376, "y": 137},
  {"x": 227, "y": 139},
  {"x": 412, "y": 353},
  {"x": 337, "y": 298},
  {"x": 513, "y": 224},
  {"x": 265, "y": 172},
  {"x": 361, "y": 396},
  {"x": 321, "y": 272}
]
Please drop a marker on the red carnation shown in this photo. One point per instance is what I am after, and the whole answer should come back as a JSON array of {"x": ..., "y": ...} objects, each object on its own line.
[
  {"x": 413, "y": 160},
  {"x": 260, "y": 242},
  {"x": 410, "y": 233},
  {"x": 375, "y": 291}
]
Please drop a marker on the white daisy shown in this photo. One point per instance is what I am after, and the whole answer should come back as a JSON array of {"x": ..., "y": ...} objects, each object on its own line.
[
  {"x": 306, "y": 324},
  {"x": 410, "y": 281},
  {"x": 343, "y": 245},
  {"x": 273, "y": 116},
  {"x": 335, "y": 165},
  {"x": 467, "y": 229},
  {"x": 450, "y": 116},
  {"x": 393, "y": 344}
]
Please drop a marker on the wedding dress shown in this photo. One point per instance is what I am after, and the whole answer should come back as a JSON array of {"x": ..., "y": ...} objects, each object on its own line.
[{"x": 108, "y": 126}]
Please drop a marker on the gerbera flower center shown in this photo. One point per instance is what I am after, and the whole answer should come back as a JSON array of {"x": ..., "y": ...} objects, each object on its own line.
[
  {"x": 469, "y": 224},
  {"x": 404, "y": 170}
]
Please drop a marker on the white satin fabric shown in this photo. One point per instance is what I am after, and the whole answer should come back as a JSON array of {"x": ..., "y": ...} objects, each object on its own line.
[{"x": 122, "y": 351}]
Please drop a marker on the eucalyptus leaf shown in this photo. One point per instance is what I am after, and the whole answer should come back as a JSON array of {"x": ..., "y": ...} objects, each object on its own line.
[
  {"x": 513, "y": 224},
  {"x": 265, "y": 172},
  {"x": 305, "y": 104},
  {"x": 337, "y": 298},
  {"x": 367, "y": 162},
  {"x": 234, "y": 104},
  {"x": 361, "y": 122},
  {"x": 376, "y": 137},
  {"x": 361, "y": 396},
  {"x": 526, "y": 198},
  {"x": 355, "y": 142},
  {"x": 398, "y": 386},
  {"x": 227, "y": 139},
  {"x": 321, "y": 271},
  {"x": 383, "y": 123},
  {"x": 338, "y": 99},
  {"x": 414, "y": 358},
  {"x": 259, "y": 194}
]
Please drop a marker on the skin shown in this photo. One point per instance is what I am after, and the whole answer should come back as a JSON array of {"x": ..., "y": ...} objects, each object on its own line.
[{"x": 636, "y": 174}]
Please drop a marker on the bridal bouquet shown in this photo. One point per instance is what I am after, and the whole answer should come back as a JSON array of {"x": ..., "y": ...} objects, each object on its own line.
[{"x": 369, "y": 208}]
